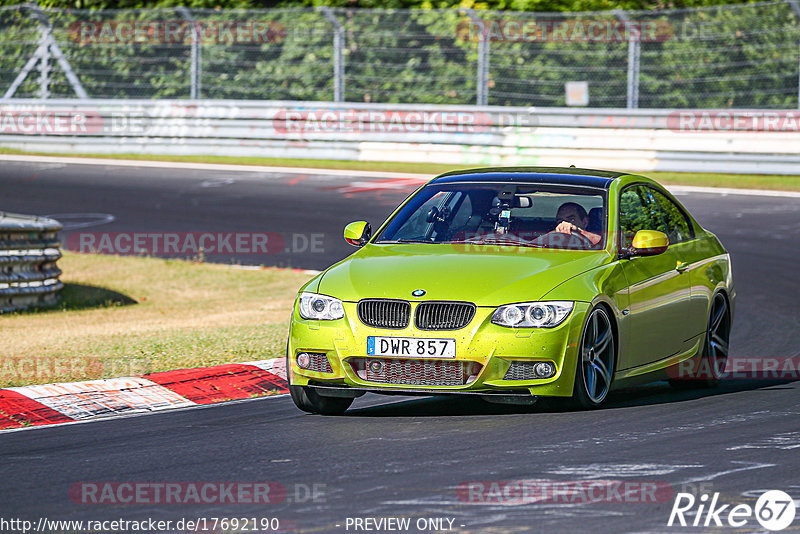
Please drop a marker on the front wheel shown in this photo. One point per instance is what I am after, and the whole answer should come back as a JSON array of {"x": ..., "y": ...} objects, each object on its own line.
[
  {"x": 310, "y": 401},
  {"x": 596, "y": 355}
]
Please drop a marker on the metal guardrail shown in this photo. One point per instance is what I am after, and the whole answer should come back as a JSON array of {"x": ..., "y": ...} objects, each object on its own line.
[
  {"x": 29, "y": 249},
  {"x": 626, "y": 139}
]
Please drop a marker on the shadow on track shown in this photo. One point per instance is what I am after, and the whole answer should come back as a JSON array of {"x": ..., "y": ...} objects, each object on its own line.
[{"x": 656, "y": 393}]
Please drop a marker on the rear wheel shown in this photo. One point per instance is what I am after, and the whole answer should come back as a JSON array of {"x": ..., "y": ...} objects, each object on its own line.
[
  {"x": 711, "y": 365},
  {"x": 310, "y": 401},
  {"x": 596, "y": 356}
]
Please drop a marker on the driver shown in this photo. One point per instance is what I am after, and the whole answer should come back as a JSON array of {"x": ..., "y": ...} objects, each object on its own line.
[{"x": 574, "y": 219}]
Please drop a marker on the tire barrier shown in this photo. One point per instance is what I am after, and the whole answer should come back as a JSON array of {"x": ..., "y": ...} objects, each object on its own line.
[{"x": 29, "y": 250}]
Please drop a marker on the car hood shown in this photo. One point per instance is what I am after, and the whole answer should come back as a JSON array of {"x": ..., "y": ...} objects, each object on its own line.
[{"x": 487, "y": 276}]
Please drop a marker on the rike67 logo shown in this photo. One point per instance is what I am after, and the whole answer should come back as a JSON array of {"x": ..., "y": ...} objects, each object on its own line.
[{"x": 774, "y": 510}]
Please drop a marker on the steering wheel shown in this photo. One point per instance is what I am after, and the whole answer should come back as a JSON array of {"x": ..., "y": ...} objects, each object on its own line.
[
  {"x": 497, "y": 239},
  {"x": 555, "y": 239}
]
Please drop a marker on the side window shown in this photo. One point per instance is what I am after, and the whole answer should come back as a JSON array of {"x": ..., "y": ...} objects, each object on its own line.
[
  {"x": 680, "y": 228},
  {"x": 462, "y": 216},
  {"x": 417, "y": 227},
  {"x": 638, "y": 211}
]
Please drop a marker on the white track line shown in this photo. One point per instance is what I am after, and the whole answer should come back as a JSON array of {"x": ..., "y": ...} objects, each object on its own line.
[
  {"x": 335, "y": 172},
  {"x": 209, "y": 166},
  {"x": 116, "y": 417},
  {"x": 732, "y": 191}
]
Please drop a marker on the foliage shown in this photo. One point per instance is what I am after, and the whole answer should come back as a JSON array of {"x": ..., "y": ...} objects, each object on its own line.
[
  {"x": 731, "y": 56},
  {"x": 511, "y": 5}
]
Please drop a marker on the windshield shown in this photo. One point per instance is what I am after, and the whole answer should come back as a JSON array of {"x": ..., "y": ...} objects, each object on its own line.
[{"x": 533, "y": 215}]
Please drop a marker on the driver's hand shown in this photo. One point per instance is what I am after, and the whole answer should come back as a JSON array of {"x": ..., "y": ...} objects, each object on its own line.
[{"x": 565, "y": 227}]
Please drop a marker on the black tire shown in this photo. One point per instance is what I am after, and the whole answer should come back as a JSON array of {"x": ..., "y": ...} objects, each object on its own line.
[
  {"x": 708, "y": 369},
  {"x": 596, "y": 361},
  {"x": 310, "y": 401}
]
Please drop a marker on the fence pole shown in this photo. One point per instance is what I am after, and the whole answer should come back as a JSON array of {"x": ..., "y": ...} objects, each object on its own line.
[
  {"x": 634, "y": 58},
  {"x": 796, "y": 10},
  {"x": 44, "y": 62},
  {"x": 482, "y": 90},
  {"x": 338, "y": 53},
  {"x": 483, "y": 70},
  {"x": 194, "y": 83},
  {"x": 44, "y": 73}
]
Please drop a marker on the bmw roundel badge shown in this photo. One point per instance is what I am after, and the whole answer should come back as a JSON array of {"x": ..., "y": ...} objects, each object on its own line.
[{"x": 418, "y": 292}]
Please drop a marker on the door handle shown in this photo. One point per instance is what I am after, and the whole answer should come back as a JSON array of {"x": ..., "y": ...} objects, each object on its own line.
[{"x": 681, "y": 267}]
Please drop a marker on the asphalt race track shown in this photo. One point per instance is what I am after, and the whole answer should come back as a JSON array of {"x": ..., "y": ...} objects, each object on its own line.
[
  {"x": 400, "y": 457},
  {"x": 301, "y": 208}
]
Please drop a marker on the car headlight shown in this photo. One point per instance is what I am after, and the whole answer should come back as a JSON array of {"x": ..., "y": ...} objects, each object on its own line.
[
  {"x": 532, "y": 314},
  {"x": 323, "y": 307}
]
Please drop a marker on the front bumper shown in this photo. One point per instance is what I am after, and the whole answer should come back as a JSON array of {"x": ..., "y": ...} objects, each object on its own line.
[{"x": 486, "y": 349}]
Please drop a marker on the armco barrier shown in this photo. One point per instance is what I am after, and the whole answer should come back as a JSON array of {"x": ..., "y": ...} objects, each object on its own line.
[
  {"x": 29, "y": 249},
  {"x": 731, "y": 141}
]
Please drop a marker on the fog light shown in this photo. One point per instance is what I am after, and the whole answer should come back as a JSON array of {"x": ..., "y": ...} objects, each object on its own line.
[
  {"x": 376, "y": 366},
  {"x": 544, "y": 369},
  {"x": 303, "y": 360}
]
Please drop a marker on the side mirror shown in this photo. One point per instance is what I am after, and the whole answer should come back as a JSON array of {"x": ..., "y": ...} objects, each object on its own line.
[
  {"x": 357, "y": 233},
  {"x": 648, "y": 243}
]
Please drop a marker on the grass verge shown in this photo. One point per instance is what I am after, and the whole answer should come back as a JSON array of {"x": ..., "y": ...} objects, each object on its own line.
[
  {"x": 746, "y": 181},
  {"x": 150, "y": 315}
]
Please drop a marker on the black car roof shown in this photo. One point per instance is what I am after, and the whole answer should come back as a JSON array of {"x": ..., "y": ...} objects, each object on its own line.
[{"x": 550, "y": 175}]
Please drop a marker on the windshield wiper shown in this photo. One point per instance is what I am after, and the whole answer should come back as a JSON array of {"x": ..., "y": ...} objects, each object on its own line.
[
  {"x": 406, "y": 240},
  {"x": 498, "y": 242}
]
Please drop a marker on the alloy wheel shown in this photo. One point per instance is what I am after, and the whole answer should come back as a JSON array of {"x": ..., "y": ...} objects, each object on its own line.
[
  {"x": 597, "y": 356},
  {"x": 718, "y": 335}
]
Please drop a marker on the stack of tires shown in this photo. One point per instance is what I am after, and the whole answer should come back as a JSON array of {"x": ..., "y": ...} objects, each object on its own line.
[{"x": 29, "y": 250}]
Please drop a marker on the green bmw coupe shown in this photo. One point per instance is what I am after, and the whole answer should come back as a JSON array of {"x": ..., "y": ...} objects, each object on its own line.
[{"x": 513, "y": 284}]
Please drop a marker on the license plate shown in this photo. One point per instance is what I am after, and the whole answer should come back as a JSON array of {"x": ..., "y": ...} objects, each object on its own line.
[{"x": 411, "y": 347}]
